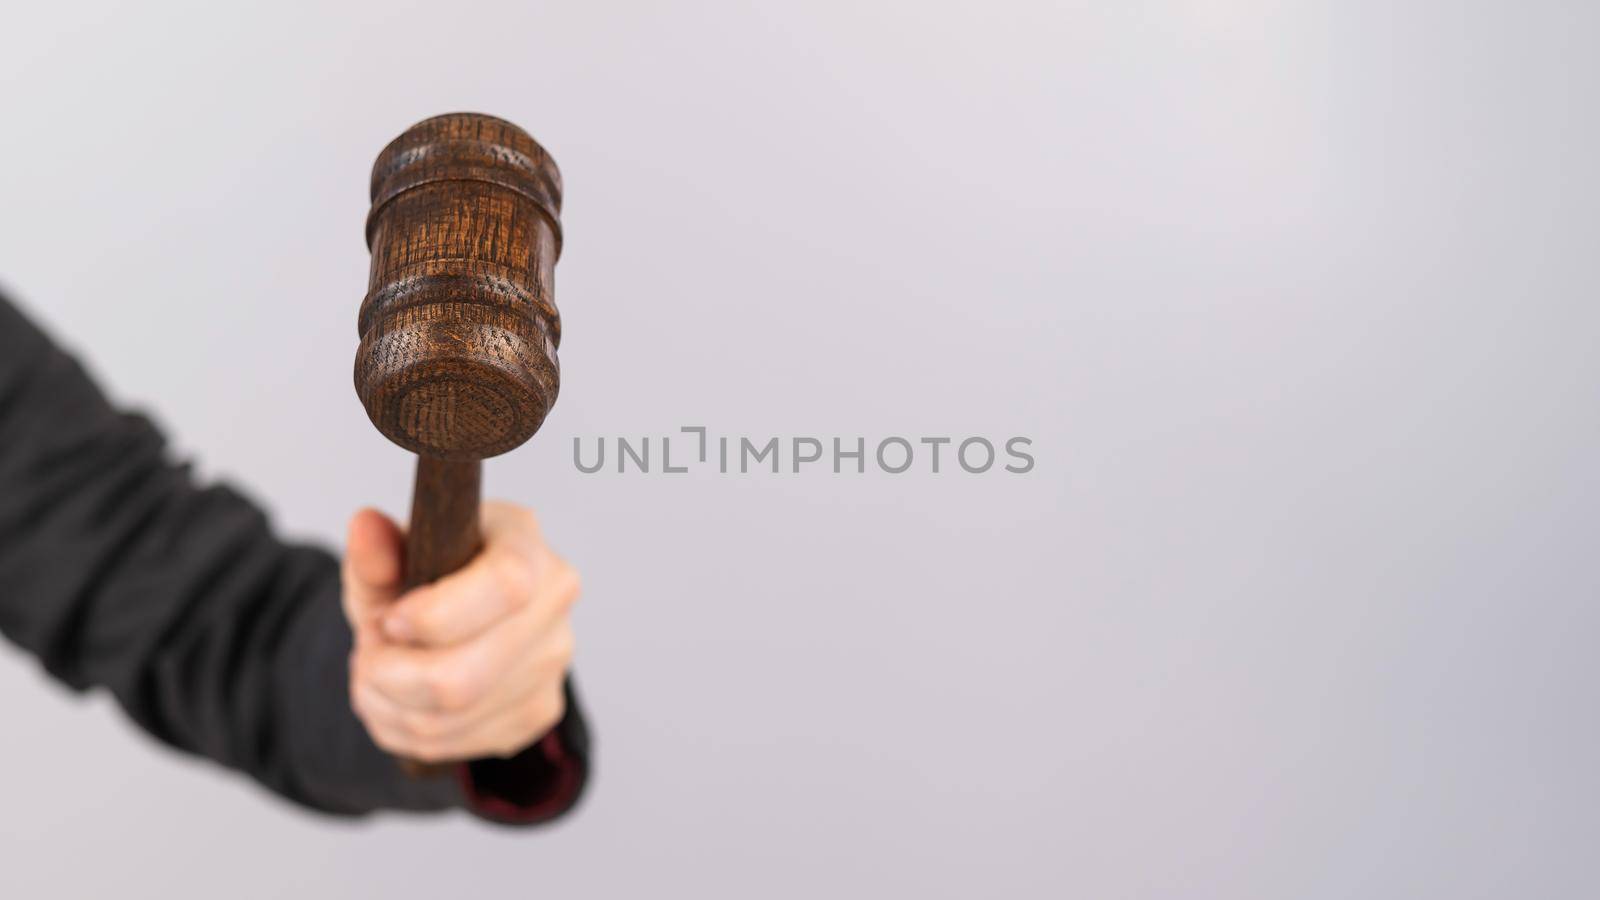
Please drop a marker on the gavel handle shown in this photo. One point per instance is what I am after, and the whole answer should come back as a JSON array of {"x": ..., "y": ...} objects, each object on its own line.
[
  {"x": 444, "y": 533},
  {"x": 444, "y": 536}
]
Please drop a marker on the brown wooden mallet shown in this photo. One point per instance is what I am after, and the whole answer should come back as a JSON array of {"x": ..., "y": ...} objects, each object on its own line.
[{"x": 459, "y": 326}]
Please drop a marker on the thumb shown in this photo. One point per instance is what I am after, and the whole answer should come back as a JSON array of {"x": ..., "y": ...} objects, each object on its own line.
[{"x": 372, "y": 570}]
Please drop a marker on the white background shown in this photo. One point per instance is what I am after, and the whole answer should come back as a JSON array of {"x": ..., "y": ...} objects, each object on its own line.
[{"x": 1297, "y": 302}]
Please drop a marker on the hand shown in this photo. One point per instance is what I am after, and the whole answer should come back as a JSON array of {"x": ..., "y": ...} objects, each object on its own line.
[{"x": 471, "y": 665}]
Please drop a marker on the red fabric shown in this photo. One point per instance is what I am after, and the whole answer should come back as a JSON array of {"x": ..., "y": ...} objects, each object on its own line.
[{"x": 534, "y": 786}]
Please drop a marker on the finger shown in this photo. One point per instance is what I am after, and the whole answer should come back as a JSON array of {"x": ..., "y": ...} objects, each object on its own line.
[
  {"x": 504, "y": 734},
  {"x": 514, "y": 570},
  {"x": 379, "y": 710},
  {"x": 383, "y": 725},
  {"x": 542, "y": 669},
  {"x": 372, "y": 570},
  {"x": 457, "y": 678},
  {"x": 495, "y": 585},
  {"x": 374, "y": 709},
  {"x": 508, "y": 523},
  {"x": 517, "y": 727}
]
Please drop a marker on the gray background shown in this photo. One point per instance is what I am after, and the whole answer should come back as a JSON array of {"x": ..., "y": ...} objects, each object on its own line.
[{"x": 1298, "y": 303}]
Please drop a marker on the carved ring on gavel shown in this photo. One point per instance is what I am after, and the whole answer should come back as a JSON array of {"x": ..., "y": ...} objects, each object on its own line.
[{"x": 459, "y": 327}]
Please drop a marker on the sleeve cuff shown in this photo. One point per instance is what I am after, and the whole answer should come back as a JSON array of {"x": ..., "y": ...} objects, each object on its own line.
[{"x": 537, "y": 785}]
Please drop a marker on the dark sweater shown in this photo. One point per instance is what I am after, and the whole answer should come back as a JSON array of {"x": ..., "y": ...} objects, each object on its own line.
[{"x": 118, "y": 571}]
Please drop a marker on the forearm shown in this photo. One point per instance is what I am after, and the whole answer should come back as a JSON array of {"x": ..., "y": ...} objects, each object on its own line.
[{"x": 117, "y": 571}]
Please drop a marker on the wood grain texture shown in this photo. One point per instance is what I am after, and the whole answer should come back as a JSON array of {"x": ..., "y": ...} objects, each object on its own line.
[
  {"x": 459, "y": 328},
  {"x": 444, "y": 533}
]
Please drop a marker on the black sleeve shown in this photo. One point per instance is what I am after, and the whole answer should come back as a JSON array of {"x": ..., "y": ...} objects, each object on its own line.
[{"x": 116, "y": 570}]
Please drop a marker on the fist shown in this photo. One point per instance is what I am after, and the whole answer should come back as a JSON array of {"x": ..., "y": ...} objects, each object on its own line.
[{"x": 471, "y": 665}]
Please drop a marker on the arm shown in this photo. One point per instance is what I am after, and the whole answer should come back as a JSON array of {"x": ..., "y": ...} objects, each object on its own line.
[{"x": 218, "y": 639}]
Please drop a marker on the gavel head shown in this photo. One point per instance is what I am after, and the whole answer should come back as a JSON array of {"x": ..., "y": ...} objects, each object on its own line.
[{"x": 459, "y": 327}]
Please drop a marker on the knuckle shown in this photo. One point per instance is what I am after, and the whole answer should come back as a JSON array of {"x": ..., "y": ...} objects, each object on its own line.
[
  {"x": 389, "y": 738},
  {"x": 569, "y": 586},
  {"x": 390, "y": 743},
  {"x": 516, "y": 577},
  {"x": 532, "y": 721},
  {"x": 562, "y": 647},
  {"x": 423, "y": 726},
  {"x": 507, "y": 746},
  {"x": 363, "y": 683},
  {"x": 430, "y": 622},
  {"x": 427, "y": 752},
  {"x": 451, "y": 689},
  {"x": 547, "y": 711}
]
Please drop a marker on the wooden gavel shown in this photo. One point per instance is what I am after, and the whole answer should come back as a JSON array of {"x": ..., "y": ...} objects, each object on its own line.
[{"x": 459, "y": 327}]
